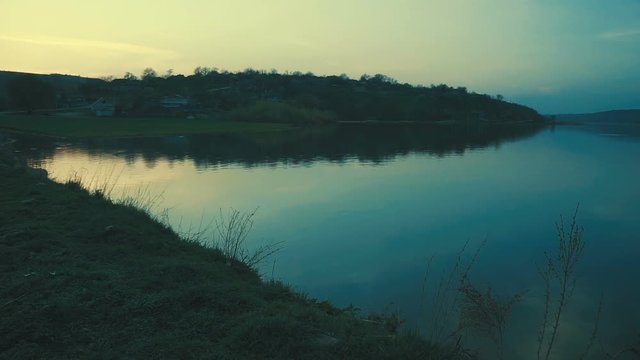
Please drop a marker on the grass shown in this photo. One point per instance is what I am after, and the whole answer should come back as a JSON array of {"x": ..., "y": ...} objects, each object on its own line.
[
  {"x": 82, "y": 277},
  {"x": 89, "y": 126},
  {"x": 280, "y": 112}
]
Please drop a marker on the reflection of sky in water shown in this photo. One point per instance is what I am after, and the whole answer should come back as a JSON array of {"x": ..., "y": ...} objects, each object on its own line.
[{"x": 360, "y": 234}]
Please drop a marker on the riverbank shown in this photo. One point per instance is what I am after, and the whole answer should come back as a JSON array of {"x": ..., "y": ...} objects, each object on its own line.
[
  {"x": 90, "y": 126},
  {"x": 82, "y": 277},
  {"x": 85, "y": 127}
]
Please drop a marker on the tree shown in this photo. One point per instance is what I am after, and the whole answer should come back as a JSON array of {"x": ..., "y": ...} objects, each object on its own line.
[
  {"x": 149, "y": 73},
  {"x": 382, "y": 78},
  {"x": 129, "y": 76},
  {"x": 202, "y": 71},
  {"x": 28, "y": 92}
]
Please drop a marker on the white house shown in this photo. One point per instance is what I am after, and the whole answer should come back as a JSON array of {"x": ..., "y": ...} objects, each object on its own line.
[
  {"x": 103, "y": 107},
  {"x": 173, "y": 102}
]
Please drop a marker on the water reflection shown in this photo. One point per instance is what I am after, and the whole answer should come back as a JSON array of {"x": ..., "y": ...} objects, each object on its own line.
[{"x": 372, "y": 143}]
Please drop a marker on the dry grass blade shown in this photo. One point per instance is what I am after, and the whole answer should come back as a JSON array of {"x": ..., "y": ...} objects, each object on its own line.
[
  {"x": 442, "y": 305},
  {"x": 12, "y": 301},
  {"x": 632, "y": 349},
  {"x": 142, "y": 198},
  {"x": 594, "y": 332},
  {"x": 231, "y": 238},
  {"x": 101, "y": 183}
]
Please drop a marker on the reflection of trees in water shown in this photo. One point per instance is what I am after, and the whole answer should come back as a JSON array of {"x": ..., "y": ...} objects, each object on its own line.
[{"x": 374, "y": 143}]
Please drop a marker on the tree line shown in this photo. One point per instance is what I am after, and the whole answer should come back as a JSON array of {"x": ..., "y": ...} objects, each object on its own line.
[{"x": 337, "y": 97}]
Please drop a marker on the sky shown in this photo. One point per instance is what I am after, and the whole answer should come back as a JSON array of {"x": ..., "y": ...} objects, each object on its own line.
[{"x": 558, "y": 56}]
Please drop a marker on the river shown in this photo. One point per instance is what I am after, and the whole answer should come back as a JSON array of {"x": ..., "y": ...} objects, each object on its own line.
[{"x": 373, "y": 218}]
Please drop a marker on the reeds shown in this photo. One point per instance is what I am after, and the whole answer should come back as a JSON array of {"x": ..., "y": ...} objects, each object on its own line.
[
  {"x": 229, "y": 231},
  {"x": 460, "y": 308},
  {"x": 485, "y": 313},
  {"x": 559, "y": 282},
  {"x": 442, "y": 305},
  {"x": 101, "y": 183},
  {"x": 144, "y": 199},
  {"x": 230, "y": 237}
]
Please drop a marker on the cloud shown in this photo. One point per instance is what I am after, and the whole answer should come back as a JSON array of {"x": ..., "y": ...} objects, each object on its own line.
[
  {"x": 94, "y": 44},
  {"x": 620, "y": 34}
]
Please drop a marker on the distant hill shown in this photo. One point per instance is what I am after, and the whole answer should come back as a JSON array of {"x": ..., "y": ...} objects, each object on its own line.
[
  {"x": 252, "y": 95},
  {"x": 62, "y": 84},
  {"x": 613, "y": 116},
  {"x": 624, "y": 123},
  {"x": 59, "y": 81}
]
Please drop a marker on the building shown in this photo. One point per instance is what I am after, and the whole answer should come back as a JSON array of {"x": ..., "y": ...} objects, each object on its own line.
[
  {"x": 175, "y": 102},
  {"x": 103, "y": 107}
]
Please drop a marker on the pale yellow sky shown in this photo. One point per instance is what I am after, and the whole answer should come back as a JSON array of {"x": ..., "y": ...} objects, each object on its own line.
[{"x": 508, "y": 46}]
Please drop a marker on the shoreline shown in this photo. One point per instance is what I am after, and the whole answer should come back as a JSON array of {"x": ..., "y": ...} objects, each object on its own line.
[
  {"x": 90, "y": 127},
  {"x": 84, "y": 277},
  {"x": 63, "y": 127}
]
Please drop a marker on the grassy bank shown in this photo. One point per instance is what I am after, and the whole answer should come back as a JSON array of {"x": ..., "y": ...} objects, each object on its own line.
[
  {"x": 278, "y": 112},
  {"x": 81, "y": 277},
  {"x": 89, "y": 126}
]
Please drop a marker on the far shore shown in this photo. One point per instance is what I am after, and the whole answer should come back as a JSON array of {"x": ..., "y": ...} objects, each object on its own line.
[
  {"x": 88, "y": 126},
  {"x": 74, "y": 126}
]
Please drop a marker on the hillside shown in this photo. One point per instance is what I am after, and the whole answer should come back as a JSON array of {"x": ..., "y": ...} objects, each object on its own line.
[
  {"x": 62, "y": 86},
  {"x": 272, "y": 97},
  {"x": 62, "y": 83},
  {"x": 613, "y": 116}
]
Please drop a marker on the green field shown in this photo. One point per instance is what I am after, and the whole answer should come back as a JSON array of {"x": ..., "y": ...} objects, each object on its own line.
[{"x": 88, "y": 126}]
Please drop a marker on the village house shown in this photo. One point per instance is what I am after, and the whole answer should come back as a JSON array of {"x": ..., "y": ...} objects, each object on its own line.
[
  {"x": 174, "y": 102},
  {"x": 103, "y": 107}
]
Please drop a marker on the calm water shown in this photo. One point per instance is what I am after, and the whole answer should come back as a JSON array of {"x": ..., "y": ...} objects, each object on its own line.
[{"x": 360, "y": 215}]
